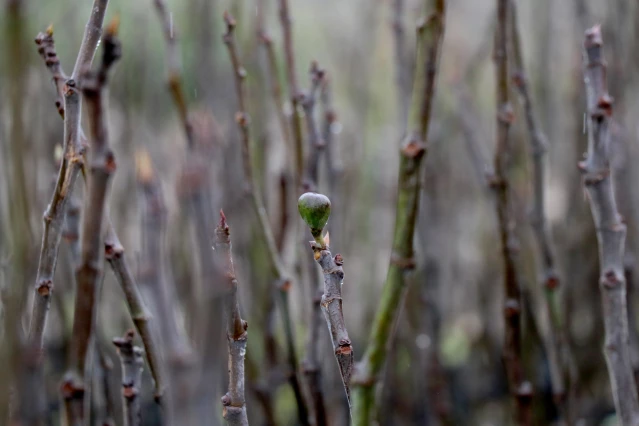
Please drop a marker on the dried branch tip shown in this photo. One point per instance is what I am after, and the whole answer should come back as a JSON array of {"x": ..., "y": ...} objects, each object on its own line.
[{"x": 593, "y": 37}]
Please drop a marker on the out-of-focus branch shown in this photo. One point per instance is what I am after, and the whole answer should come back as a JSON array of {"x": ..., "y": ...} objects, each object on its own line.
[
  {"x": 264, "y": 227},
  {"x": 174, "y": 67},
  {"x": 276, "y": 90},
  {"x": 234, "y": 401},
  {"x": 72, "y": 162},
  {"x": 316, "y": 144},
  {"x": 429, "y": 41},
  {"x": 402, "y": 72},
  {"x": 311, "y": 363},
  {"x": 520, "y": 389},
  {"x": 46, "y": 49},
  {"x": 101, "y": 168},
  {"x": 160, "y": 294},
  {"x": 555, "y": 339},
  {"x": 293, "y": 90},
  {"x": 611, "y": 231},
  {"x": 91, "y": 38},
  {"x": 132, "y": 361},
  {"x": 115, "y": 256}
]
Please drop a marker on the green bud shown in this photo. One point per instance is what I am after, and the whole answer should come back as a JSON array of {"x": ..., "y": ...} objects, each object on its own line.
[{"x": 315, "y": 210}]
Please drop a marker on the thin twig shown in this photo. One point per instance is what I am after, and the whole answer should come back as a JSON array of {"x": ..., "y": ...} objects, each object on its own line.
[
  {"x": 293, "y": 90},
  {"x": 114, "y": 252},
  {"x": 102, "y": 167},
  {"x": 159, "y": 292},
  {"x": 276, "y": 90},
  {"x": 234, "y": 401},
  {"x": 316, "y": 144},
  {"x": 113, "y": 248},
  {"x": 311, "y": 363},
  {"x": 611, "y": 231},
  {"x": 402, "y": 72},
  {"x": 90, "y": 39},
  {"x": 520, "y": 389},
  {"x": 429, "y": 41},
  {"x": 132, "y": 361},
  {"x": 46, "y": 49},
  {"x": 275, "y": 263},
  {"x": 555, "y": 340},
  {"x": 71, "y": 163}
]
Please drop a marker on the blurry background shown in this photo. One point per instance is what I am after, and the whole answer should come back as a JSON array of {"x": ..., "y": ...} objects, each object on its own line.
[{"x": 445, "y": 365}]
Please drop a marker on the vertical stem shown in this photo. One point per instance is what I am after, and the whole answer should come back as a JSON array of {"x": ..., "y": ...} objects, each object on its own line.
[
  {"x": 132, "y": 363},
  {"x": 412, "y": 153},
  {"x": 611, "y": 231}
]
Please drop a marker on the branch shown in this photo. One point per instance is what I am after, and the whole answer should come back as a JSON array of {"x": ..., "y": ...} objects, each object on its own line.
[
  {"x": 174, "y": 68},
  {"x": 293, "y": 89},
  {"x": 611, "y": 231},
  {"x": 46, "y": 49},
  {"x": 160, "y": 293},
  {"x": 91, "y": 38},
  {"x": 554, "y": 341},
  {"x": 71, "y": 162},
  {"x": 316, "y": 144},
  {"x": 114, "y": 253},
  {"x": 315, "y": 209},
  {"x": 276, "y": 90},
  {"x": 412, "y": 153},
  {"x": 102, "y": 167},
  {"x": 264, "y": 226},
  {"x": 402, "y": 73},
  {"x": 132, "y": 364},
  {"x": 234, "y": 401},
  {"x": 520, "y": 389}
]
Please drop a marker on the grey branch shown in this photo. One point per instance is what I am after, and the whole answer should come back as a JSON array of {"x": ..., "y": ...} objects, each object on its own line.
[
  {"x": 132, "y": 364},
  {"x": 611, "y": 231}
]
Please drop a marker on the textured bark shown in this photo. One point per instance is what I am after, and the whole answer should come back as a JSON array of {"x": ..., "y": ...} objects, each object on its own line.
[
  {"x": 611, "y": 231},
  {"x": 132, "y": 361}
]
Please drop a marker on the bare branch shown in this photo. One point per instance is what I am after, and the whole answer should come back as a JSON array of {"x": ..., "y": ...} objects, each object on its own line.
[
  {"x": 554, "y": 341},
  {"x": 316, "y": 144},
  {"x": 91, "y": 38},
  {"x": 264, "y": 227},
  {"x": 520, "y": 389},
  {"x": 102, "y": 167},
  {"x": 46, "y": 49},
  {"x": 430, "y": 37},
  {"x": 611, "y": 231},
  {"x": 132, "y": 363},
  {"x": 293, "y": 89},
  {"x": 234, "y": 401}
]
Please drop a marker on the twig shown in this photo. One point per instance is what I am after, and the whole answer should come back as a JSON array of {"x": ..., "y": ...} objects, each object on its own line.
[
  {"x": 90, "y": 39},
  {"x": 275, "y": 264},
  {"x": 315, "y": 210},
  {"x": 429, "y": 41},
  {"x": 132, "y": 365},
  {"x": 554, "y": 342},
  {"x": 316, "y": 144},
  {"x": 520, "y": 389},
  {"x": 102, "y": 166},
  {"x": 160, "y": 294},
  {"x": 234, "y": 401},
  {"x": 46, "y": 49},
  {"x": 113, "y": 248},
  {"x": 105, "y": 370},
  {"x": 611, "y": 231},
  {"x": 293, "y": 90},
  {"x": 311, "y": 363},
  {"x": 71, "y": 163},
  {"x": 276, "y": 90},
  {"x": 402, "y": 73},
  {"x": 137, "y": 309}
]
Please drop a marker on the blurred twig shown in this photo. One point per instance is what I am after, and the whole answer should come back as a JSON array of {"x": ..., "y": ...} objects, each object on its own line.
[
  {"x": 611, "y": 231},
  {"x": 275, "y": 264},
  {"x": 554, "y": 341},
  {"x": 429, "y": 41},
  {"x": 132, "y": 362},
  {"x": 90, "y": 270}
]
